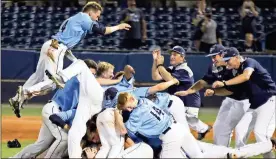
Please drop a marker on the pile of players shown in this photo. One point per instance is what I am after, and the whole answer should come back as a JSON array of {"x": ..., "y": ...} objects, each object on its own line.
[
  {"x": 106, "y": 116},
  {"x": 96, "y": 114}
]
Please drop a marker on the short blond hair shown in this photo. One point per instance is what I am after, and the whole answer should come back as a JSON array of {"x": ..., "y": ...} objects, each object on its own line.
[
  {"x": 92, "y": 6},
  {"x": 122, "y": 99},
  {"x": 104, "y": 66}
]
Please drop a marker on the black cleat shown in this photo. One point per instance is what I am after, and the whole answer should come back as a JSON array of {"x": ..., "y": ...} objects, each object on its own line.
[
  {"x": 231, "y": 155},
  {"x": 201, "y": 136},
  {"x": 54, "y": 79},
  {"x": 15, "y": 107},
  {"x": 273, "y": 144}
]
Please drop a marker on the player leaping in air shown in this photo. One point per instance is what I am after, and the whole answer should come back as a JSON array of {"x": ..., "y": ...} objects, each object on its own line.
[{"x": 71, "y": 32}]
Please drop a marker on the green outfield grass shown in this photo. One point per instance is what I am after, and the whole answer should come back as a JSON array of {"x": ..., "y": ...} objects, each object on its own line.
[
  {"x": 8, "y": 152},
  {"x": 30, "y": 110},
  {"x": 206, "y": 115}
]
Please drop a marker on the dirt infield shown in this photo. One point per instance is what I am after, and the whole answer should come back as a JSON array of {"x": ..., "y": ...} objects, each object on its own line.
[
  {"x": 24, "y": 128},
  {"x": 27, "y": 128}
]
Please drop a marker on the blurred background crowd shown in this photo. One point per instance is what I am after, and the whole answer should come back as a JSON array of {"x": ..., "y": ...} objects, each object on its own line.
[{"x": 195, "y": 25}]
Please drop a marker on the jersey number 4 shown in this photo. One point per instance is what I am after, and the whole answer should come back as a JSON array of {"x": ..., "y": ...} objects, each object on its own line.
[{"x": 156, "y": 112}]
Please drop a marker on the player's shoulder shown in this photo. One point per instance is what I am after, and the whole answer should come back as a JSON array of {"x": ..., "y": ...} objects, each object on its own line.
[
  {"x": 250, "y": 61},
  {"x": 107, "y": 114},
  {"x": 184, "y": 68}
]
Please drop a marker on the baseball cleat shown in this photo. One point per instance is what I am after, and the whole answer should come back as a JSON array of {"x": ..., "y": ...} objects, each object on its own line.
[
  {"x": 15, "y": 107},
  {"x": 273, "y": 144},
  {"x": 231, "y": 155},
  {"x": 55, "y": 78},
  {"x": 201, "y": 136}
]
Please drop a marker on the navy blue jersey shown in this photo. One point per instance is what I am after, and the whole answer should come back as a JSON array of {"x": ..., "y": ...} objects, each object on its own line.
[
  {"x": 185, "y": 76},
  {"x": 260, "y": 86},
  {"x": 221, "y": 73}
]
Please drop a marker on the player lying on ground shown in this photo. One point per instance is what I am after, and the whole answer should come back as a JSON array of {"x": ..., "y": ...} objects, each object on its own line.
[
  {"x": 232, "y": 108},
  {"x": 71, "y": 32},
  {"x": 63, "y": 104},
  {"x": 180, "y": 70},
  {"x": 259, "y": 88},
  {"x": 150, "y": 121}
]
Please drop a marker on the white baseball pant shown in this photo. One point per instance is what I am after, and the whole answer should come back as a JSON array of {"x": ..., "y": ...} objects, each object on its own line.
[
  {"x": 90, "y": 103},
  {"x": 264, "y": 126},
  {"x": 229, "y": 115},
  {"x": 111, "y": 140},
  {"x": 139, "y": 150},
  {"x": 193, "y": 121},
  {"x": 177, "y": 109},
  {"x": 113, "y": 143},
  {"x": 38, "y": 81},
  {"x": 178, "y": 142},
  {"x": 49, "y": 132},
  {"x": 215, "y": 151}
]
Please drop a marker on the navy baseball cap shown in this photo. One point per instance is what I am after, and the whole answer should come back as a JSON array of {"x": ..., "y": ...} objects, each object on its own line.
[
  {"x": 230, "y": 52},
  {"x": 110, "y": 93},
  {"x": 178, "y": 49},
  {"x": 216, "y": 49}
]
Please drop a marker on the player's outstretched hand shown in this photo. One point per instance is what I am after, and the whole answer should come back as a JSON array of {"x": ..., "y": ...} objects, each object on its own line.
[
  {"x": 124, "y": 26},
  {"x": 160, "y": 60},
  {"x": 156, "y": 53},
  {"x": 181, "y": 93},
  {"x": 217, "y": 84},
  {"x": 209, "y": 92}
]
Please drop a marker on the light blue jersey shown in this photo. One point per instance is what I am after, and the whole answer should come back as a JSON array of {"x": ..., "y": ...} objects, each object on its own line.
[
  {"x": 67, "y": 116},
  {"x": 124, "y": 84},
  {"x": 148, "y": 120},
  {"x": 162, "y": 99},
  {"x": 74, "y": 29},
  {"x": 68, "y": 97}
]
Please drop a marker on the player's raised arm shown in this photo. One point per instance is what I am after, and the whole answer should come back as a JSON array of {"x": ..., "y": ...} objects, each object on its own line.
[
  {"x": 195, "y": 88},
  {"x": 218, "y": 92},
  {"x": 154, "y": 70},
  {"x": 162, "y": 86},
  {"x": 162, "y": 70}
]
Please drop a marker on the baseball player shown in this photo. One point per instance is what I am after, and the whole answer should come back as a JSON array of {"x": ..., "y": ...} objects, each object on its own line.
[
  {"x": 181, "y": 71},
  {"x": 173, "y": 103},
  {"x": 62, "y": 104},
  {"x": 90, "y": 102},
  {"x": 71, "y": 32},
  {"x": 106, "y": 78},
  {"x": 112, "y": 140},
  {"x": 232, "y": 108},
  {"x": 139, "y": 125},
  {"x": 259, "y": 87},
  {"x": 150, "y": 121}
]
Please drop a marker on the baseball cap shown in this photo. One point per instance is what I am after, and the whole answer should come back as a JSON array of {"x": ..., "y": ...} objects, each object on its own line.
[
  {"x": 216, "y": 49},
  {"x": 110, "y": 93},
  {"x": 178, "y": 49},
  {"x": 230, "y": 52}
]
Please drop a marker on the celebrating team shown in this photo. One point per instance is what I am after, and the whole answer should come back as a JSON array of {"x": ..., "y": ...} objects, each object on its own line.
[{"x": 97, "y": 114}]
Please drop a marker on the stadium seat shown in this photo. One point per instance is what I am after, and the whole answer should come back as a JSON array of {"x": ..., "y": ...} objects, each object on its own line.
[
  {"x": 26, "y": 17},
  {"x": 164, "y": 18},
  {"x": 165, "y": 26},
  {"x": 94, "y": 42},
  {"x": 220, "y": 19},
  {"x": 6, "y": 40},
  {"x": 25, "y": 25},
  {"x": 149, "y": 18},
  {"x": 23, "y": 33},
  {"x": 182, "y": 18}
]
